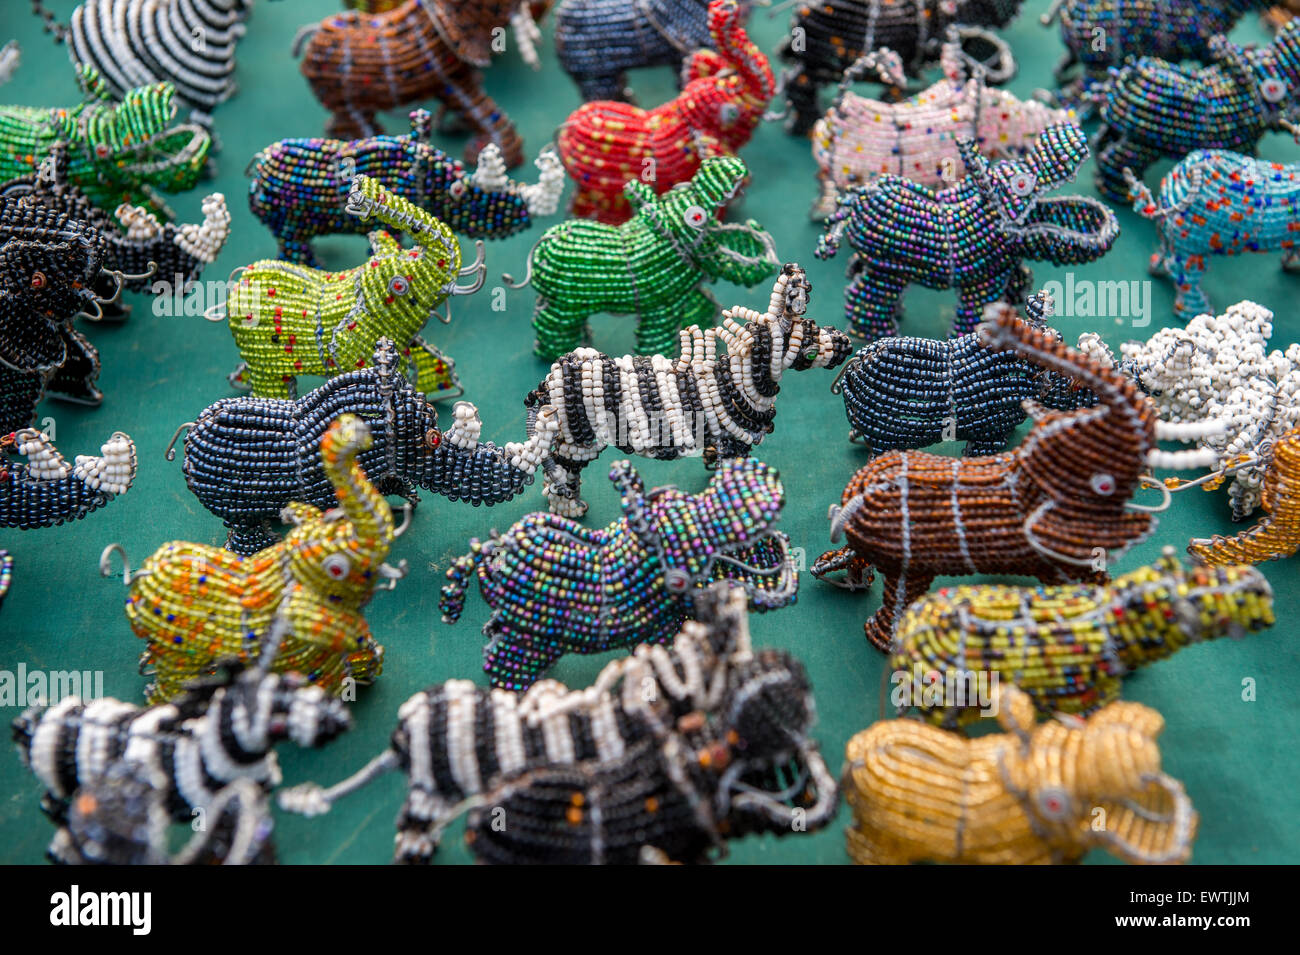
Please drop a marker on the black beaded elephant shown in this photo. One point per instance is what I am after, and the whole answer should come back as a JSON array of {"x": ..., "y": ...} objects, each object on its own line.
[{"x": 973, "y": 236}]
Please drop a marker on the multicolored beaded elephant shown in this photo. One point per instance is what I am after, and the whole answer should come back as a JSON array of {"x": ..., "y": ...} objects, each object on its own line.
[
  {"x": 291, "y": 320},
  {"x": 198, "y": 605},
  {"x": 604, "y": 145},
  {"x": 1038, "y": 793},
  {"x": 362, "y": 63},
  {"x": 118, "y": 152},
  {"x": 629, "y": 582},
  {"x": 651, "y": 266},
  {"x": 972, "y": 236},
  {"x": 1068, "y": 646},
  {"x": 1155, "y": 109},
  {"x": 246, "y": 458},
  {"x": 1277, "y": 535},
  {"x": 859, "y": 139},
  {"x": 1218, "y": 203},
  {"x": 300, "y": 187}
]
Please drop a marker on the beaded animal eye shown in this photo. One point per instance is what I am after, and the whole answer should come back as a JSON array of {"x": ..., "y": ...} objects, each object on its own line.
[
  {"x": 695, "y": 217},
  {"x": 432, "y": 438},
  {"x": 398, "y": 285},
  {"x": 38, "y": 280},
  {"x": 677, "y": 581},
  {"x": 337, "y": 566},
  {"x": 1053, "y": 803},
  {"x": 457, "y": 188},
  {"x": 1273, "y": 90},
  {"x": 102, "y": 151},
  {"x": 728, "y": 112},
  {"x": 1102, "y": 484},
  {"x": 1022, "y": 184}
]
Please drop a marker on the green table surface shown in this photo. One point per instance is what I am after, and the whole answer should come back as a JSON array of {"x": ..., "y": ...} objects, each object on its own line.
[{"x": 1237, "y": 758}]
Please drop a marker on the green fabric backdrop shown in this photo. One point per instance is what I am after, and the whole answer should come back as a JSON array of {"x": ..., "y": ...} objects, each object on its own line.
[{"x": 1235, "y": 757}]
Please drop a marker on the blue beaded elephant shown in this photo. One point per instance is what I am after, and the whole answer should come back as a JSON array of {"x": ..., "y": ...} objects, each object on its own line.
[{"x": 972, "y": 237}]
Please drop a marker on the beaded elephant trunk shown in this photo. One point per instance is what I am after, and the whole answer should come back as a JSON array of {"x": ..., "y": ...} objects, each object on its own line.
[{"x": 197, "y": 605}]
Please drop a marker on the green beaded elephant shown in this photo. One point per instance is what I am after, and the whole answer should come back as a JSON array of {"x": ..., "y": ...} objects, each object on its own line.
[
  {"x": 289, "y": 320},
  {"x": 650, "y": 266}
]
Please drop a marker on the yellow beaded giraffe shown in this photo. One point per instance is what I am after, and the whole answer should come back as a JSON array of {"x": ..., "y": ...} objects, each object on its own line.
[
  {"x": 1277, "y": 535},
  {"x": 197, "y": 605}
]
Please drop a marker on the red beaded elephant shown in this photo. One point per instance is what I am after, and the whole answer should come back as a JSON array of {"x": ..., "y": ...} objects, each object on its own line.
[{"x": 605, "y": 144}]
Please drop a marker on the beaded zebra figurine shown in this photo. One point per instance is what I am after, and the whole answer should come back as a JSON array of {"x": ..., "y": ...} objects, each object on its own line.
[
  {"x": 633, "y": 580},
  {"x": 188, "y": 43},
  {"x": 221, "y": 730},
  {"x": 704, "y": 403},
  {"x": 1155, "y": 109},
  {"x": 686, "y": 745},
  {"x": 902, "y": 392},
  {"x": 1067, "y": 646}
]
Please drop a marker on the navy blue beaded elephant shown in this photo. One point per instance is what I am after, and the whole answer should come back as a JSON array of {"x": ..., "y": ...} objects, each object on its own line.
[{"x": 973, "y": 237}]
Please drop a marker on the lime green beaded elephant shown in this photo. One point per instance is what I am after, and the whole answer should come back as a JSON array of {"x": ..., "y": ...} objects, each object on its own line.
[
  {"x": 650, "y": 266},
  {"x": 291, "y": 320}
]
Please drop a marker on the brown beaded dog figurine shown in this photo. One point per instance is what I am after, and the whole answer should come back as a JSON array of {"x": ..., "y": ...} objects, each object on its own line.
[
  {"x": 1057, "y": 507},
  {"x": 360, "y": 63}
]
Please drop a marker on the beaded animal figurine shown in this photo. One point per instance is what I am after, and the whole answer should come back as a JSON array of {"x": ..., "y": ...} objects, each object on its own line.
[
  {"x": 197, "y": 605},
  {"x": 717, "y": 405},
  {"x": 1056, "y": 507},
  {"x": 1218, "y": 203},
  {"x": 143, "y": 254},
  {"x": 973, "y": 236},
  {"x": 300, "y": 187},
  {"x": 46, "y": 490},
  {"x": 1030, "y": 795},
  {"x": 826, "y": 38},
  {"x": 1068, "y": 646},
  {"x": 629, "y": 582},
  {"x": 1277, "y": 535},
  {"x": 902, "y": 393},
  {"x": 118, "y": 152},
  {"x": 685, "y": 746},
  {"x": 1170, "y": 29},
  {"x": 651, "y": 266},
  {"x": 121, "y": 818},
  {"x": 860, "y": 139},
  {"x": 1155, "y": 109},
  {"x": 360, "y": 64},
  {"x": 220, "y": 731},
  {"x": 597, "y": 41},
  {"x": 605, "y": 144},
  {"x": 1218, "y": 368},
  {"x": 289, "y": 320},
  {"x": 246, "y": 458},
  {"x": 187, "y": 43}
]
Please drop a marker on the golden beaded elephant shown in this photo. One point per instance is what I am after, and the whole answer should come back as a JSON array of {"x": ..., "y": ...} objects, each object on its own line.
[{"x": 1036, "y": 794}]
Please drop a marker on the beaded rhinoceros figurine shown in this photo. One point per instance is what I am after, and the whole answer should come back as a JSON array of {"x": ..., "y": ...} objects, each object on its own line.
[
  {"x": 651, "y": 266},
  {"x": 300, "y": 187},
  {"x": 629, "y": 582},
  {"x": 246, "y": 458},
  {"x": 973, "y": 236},
  {"x": 290, "y": 320},
  {"x": 1067, "y": 646},
  {"x": 197, "y": 605},
  {"x": 117, "y": 151}
]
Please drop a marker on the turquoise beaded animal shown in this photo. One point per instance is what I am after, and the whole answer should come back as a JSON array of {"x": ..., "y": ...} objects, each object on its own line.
[{"x": 650, "y": 266}]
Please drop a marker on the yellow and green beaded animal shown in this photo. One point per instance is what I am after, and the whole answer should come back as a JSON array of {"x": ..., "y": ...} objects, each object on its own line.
[
  {"x": 197, "y": 605},
  {"x": 1067, "y": 646},
  {"x": 291, "y": 320}
]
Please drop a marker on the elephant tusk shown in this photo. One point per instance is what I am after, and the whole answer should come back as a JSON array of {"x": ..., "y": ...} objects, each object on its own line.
[
  {"x": 479, "y": 266},
  {"x": 170, "y": 453},
  {"x": 839, "y": 516},
  {"x": 1166, "y": 500},
  {"x": 106, "y": 565},
  {"x": 391, "y": 575},
  {"x": 407, "y": 512},
  {"x": 1191, "y": 430},
  {"x": 98, "y": 316},
  {"x": 119, "y": 279}
]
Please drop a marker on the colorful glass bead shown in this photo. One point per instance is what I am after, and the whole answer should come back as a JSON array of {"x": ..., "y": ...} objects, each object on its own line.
[
  {"x": 1038, "y": 793},
  {"x": 289, "y": 320},
  {"x": 246, "y": 458},
  {"x": 1055, "y": 507},
  {"x": 1155, "y": 109},
  {"x": 973, "y": 236},
  {"x": 606, "y": 144},
  {"x": 670, "y": 753},
  {"x": 557, "y": 587},
  {"x": 651, "y": 266},
  {"x": 299, "y": 187},
  {"x": 197, "y": 605},
  {"x": 1277, "y": 534}
]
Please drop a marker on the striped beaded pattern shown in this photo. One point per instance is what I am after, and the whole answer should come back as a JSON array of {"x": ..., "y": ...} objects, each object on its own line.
[{"x": 1277, "y": 534}]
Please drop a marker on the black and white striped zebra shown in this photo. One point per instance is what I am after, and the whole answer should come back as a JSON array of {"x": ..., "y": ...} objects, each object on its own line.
[
  {"x": 459, "y": 743},
  {"x": 188, "y": 43},
  {"x": 704, "y": 403},
  {"x": 220, "y": 731}
]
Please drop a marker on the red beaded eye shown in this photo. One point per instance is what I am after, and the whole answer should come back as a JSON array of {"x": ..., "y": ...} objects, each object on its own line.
[
  {"x": 677, "y": 581},
  {"x": 1022, "y": 184},
  {"x": 432, "y": 438},
  {"x": 1273, "y": 90},
  {"x": 1102, "y": 484},
  {"x": 695, "y": 217},
  {"x": 1053, "y": 803},
  {"x": 457, "y": 188},
  {"x": 398, "y": 285},
  {"x": 101, "y": 151},
  {"x": 38, "y": 280},
  {"x": 337, "y": 566}
]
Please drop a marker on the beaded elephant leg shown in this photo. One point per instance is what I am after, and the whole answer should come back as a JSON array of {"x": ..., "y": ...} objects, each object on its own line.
[
  {"x": 248, "y": 539},
  {"x": 20, "y": 392},
  {"x": 562, "y": 479},
  {"x": 898, "y": 593},
  {"x": 434, "y": 373},
  {"x": 264, "y": 382},
  {"x": 589, "y": 203},
  {"x": 610, "y": 87},
  {"x": 352, "y": 123},
  {"x": 801, "y": 94},
  {"x": 871, "y": 303},
  {"x": 1116, "y": 156},
  {"x": 74, "y": 381},
  {"x": 299, "y": 251},
  {"x": 419, "y": 828},
  {"x": 463, "y": 93},
  {"x": 511, "y": 660},
  {"x": 656, "y": 330},
  {"x": 985, "y": 446},
  {"x": 559, "y": 327},
  {"x": 1186, "y": 272},
  {"x": 1291, "y": 260},
  {"x": 972, "y": 299}
]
